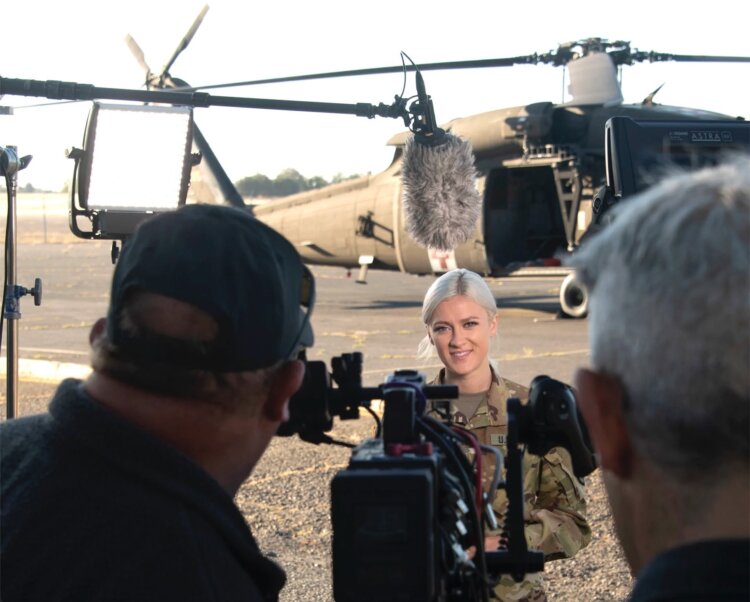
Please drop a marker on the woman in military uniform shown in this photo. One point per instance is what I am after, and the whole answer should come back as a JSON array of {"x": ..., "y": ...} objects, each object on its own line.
[{"x": 459, "y": 312}]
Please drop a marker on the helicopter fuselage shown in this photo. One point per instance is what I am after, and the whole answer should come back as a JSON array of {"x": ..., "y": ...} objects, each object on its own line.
[{"x": 539, "y": 167}]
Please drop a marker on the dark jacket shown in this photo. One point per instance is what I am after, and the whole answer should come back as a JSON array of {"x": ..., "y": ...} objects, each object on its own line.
[
  {"x": 708, "y": 570},
  {"x": 93, "y": 508}
]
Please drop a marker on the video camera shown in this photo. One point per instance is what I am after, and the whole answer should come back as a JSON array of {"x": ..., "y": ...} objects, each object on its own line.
[{"x": 411, "y": 506}]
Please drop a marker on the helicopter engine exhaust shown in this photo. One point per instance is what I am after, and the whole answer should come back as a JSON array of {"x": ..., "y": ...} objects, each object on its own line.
[{"x": 441, "y": 200}]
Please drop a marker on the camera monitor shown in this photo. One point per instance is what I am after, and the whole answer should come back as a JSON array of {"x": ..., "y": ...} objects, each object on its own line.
[{"x": 638, "y": 152}]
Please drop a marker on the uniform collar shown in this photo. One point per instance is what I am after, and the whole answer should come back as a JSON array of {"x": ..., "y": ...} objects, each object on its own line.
[
  {"x": 493, "y": 403},
  {"x": 440, "y": 378}
]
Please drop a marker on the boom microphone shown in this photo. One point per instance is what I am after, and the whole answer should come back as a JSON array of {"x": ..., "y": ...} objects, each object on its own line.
[{"x": 441, "y": 200}]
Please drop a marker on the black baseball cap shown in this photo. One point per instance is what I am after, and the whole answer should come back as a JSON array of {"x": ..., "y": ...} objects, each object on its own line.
[{"x": 222, "y": 260}]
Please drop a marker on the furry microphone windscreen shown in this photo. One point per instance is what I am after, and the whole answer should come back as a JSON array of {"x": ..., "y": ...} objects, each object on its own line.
[{"x": 441, "y": 200}]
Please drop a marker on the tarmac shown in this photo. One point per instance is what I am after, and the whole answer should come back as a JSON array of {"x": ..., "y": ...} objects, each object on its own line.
[{"x": 380, "y": 319}]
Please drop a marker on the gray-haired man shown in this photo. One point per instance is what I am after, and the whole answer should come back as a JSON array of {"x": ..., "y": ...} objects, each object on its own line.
[{"x": 667, "y": 399}]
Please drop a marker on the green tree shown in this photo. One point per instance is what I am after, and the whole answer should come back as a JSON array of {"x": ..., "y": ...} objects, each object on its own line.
[
  {"x": 339, "y": 177},
  {"x": 254, "y": 186},
  {"x": 289, "y": 181},
  {"x": 316, "y": 182}
]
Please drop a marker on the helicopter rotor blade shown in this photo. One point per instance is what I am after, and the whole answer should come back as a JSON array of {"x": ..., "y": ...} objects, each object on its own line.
[
  {"x": 475, "y": 64},
  {"x": 185, "y": 40},
  {"x": 619, "y": 51},
  {"x": 137, "y": 52},
  {"x": 695, "y": 58}
]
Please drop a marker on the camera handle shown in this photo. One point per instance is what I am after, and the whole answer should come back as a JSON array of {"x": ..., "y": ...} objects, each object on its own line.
[{"x": 516, "y": 560}]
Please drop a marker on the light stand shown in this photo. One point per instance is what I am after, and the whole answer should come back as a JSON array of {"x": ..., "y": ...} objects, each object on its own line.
[{"x": 10, "y": 165}]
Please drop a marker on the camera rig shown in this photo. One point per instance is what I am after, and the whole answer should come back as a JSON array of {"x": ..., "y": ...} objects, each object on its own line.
[{"x": 410, "y": 510}]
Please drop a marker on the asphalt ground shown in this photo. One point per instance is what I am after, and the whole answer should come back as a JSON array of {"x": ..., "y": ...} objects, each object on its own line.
[
  {"x": 286, "y": 501},
  {"x": 381, "y": 318}
]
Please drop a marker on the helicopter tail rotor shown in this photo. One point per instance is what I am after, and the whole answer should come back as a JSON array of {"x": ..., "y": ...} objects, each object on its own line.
[
  {"x": 185, "y": 40},
  {"x": 137, "y": 52}
]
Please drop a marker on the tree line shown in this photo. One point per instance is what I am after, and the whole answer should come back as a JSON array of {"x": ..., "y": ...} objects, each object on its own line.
[
  {"x": 28, "y": 188},
  {"x": 289, "y": 181}
]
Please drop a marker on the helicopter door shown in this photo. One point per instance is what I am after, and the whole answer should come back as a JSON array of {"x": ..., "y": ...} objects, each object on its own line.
[{"x": 523, "y": 224}]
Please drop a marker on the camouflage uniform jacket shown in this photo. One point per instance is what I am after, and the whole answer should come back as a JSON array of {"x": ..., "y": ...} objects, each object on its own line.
[{"x": 554, "y": 498}]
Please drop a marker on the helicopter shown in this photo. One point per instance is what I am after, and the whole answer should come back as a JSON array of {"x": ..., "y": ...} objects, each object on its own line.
[{"x": 539, "y": 169}]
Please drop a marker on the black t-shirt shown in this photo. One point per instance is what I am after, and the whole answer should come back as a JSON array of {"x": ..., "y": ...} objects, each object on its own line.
[{"x": 94, "y": 508}]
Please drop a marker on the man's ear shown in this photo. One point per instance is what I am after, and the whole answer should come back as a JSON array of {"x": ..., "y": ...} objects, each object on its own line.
[
  {"x": 285, "y": 383},
  {"x": 601, "y": 400},
  {"x": 97, "y": 330}
]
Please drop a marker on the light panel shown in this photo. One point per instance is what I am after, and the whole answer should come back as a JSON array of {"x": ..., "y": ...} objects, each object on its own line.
[{"x": 138, "y": 157}]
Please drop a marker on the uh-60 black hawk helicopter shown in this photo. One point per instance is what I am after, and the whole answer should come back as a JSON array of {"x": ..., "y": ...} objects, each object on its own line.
[{"x": 539, "y": 167}]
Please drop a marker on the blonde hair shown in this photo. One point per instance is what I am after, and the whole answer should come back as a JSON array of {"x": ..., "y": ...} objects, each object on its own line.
[{"x": 452, "y": 284}]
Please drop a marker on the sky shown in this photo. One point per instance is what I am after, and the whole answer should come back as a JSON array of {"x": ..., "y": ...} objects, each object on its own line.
[{"x": 83, "y": 41}]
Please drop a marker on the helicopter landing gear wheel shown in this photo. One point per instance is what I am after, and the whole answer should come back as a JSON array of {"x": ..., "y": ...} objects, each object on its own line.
[{"x": 574, "y": 297}]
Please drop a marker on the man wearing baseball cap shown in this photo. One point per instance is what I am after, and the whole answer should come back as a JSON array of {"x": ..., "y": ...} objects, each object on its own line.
[{"x": 124, "y": 489}]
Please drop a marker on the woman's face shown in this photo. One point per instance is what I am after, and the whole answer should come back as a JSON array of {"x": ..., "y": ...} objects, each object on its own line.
[{"x": 461, "y": 331}]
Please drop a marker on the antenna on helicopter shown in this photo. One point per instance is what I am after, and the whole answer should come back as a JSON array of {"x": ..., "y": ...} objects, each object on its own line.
[{"x": 649, "y": 100}]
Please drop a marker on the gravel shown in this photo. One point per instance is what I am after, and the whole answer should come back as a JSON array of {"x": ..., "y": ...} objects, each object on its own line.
[{"x": 287, "y": 504}]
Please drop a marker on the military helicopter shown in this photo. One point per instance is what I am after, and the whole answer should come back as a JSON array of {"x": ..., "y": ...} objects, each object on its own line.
[{"x": 540, "y": 167}]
